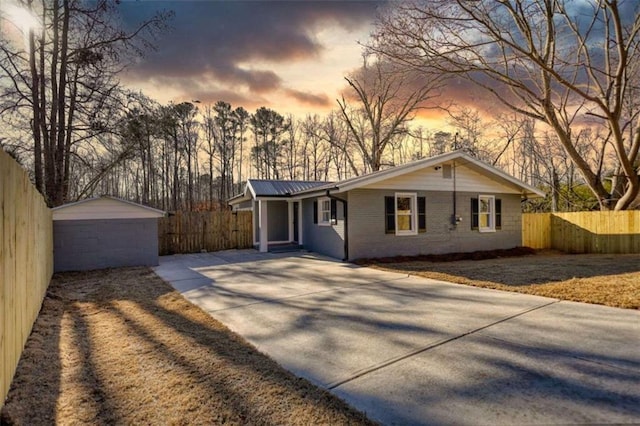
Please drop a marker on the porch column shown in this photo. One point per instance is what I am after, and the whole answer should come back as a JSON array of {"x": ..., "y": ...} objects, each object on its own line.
[
  {"x": 264, "y": 237},
  {"x": 300, "y": 227},
  {"x": 290, "y": 219},
  {"x": 254, "y": 220}
]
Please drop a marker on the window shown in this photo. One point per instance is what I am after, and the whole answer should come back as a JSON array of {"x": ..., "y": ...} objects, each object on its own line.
[
  {"x": 324, "y": 211},
  {"x": 405, "y": 214},
  {"x": 486, "y": 213}
]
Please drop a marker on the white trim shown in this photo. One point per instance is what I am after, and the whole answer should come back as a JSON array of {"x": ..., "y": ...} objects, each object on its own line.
[
  {"x": 300, "y": 227},
  {"x": 290, "y": 219},
  {"x": 280, "y": 242},
  {"x": 264, "y": 233},
  {"x": 491, "y": 214},
  {"x": 413, "y": 196},
  {"x": 321, "y": 222},
  {"x": 254, "y": 218}
]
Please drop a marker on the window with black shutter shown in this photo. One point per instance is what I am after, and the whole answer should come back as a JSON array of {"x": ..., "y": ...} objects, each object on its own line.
[
  {"x": 315, "y": 212},
  {"x": 422, "y": 214},
  {"x": 474, "y": 213},
  {"x": 498, "y": 203},
  {"x": 390, "y": 215}
]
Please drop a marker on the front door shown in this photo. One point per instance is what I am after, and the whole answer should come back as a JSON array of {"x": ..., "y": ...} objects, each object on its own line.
[{"x": 295, "y": 221}]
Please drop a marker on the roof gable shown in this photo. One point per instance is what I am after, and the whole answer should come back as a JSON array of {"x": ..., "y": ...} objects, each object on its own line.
[
  {"x": 472, "y": 175},
  {"x": 104, "y": 207},
  {"x": 490, "y": 175}
]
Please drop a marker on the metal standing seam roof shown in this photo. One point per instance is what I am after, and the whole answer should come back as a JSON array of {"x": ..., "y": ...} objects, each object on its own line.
[{"x": 281, "y": 188}]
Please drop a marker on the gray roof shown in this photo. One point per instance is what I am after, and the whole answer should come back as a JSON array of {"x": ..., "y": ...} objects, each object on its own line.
[
  {"x": 300, "y": 188},
  {"x": 281, "y": 188}
]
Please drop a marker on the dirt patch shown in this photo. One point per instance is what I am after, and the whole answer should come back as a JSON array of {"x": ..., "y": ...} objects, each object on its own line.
[
  {"x": 612, "y": 280},
  {"x": 120, "y": 346}
]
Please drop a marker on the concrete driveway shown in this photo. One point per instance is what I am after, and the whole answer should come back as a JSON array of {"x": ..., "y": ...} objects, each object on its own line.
[{"x": 410, "y": 350}]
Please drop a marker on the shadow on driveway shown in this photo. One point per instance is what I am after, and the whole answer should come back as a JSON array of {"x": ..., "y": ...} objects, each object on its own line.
[{"x": 413, "y": 350}]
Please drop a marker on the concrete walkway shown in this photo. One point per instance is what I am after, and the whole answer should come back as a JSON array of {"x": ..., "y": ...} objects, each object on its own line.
[{"x": 410, "y": 350}]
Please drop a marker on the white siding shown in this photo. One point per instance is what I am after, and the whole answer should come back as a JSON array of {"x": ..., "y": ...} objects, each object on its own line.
[
  {"x": 430, "y": 179},
  {"x": 104, "y": 208}
]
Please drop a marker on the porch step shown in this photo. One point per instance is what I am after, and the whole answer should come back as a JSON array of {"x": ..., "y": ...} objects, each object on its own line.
[{"x": 284, "y": 248}]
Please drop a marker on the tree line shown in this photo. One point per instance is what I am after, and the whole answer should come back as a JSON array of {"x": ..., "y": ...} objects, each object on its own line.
[{"x": 568, "y": 121}]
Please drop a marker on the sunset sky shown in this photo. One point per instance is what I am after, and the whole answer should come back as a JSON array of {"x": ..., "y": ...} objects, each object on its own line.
[{"x": 289, "y": 56}]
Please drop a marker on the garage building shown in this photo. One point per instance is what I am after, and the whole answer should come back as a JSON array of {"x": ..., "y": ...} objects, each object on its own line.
[{"x": 104, "y": 232}]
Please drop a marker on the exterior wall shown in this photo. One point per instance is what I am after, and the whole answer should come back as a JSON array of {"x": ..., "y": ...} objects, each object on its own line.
[
  {"x": 367, "y": 237},
  {"x": 278, "y": 220},
  {"x": 81, "y": 245},
  {"x": 327, "y": 240}
]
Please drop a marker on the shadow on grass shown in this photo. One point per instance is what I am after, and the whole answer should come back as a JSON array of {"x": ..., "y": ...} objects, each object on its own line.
[
  {"x": 134, "y": 351},
  {"x": 32, "y": 383}
]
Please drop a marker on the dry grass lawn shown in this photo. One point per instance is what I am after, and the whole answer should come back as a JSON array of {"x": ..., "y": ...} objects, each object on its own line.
[
  {"x": 612, "y": 280},
  {"x": 121, "y": 347}
]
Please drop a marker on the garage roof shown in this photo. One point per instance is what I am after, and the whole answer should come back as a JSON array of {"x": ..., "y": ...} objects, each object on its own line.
[{"x": 105, "y": 207}]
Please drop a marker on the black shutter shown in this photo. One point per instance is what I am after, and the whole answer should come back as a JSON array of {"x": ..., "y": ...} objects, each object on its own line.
[
  {"x": 315, "y": 212},
  {"x": 390, "y": 215},
  {"x": 474, "y": 213},
  {"x": 422, "y": 214},
  {"x": 498, "y": 214},
  {"x": 334, "y": 212}
]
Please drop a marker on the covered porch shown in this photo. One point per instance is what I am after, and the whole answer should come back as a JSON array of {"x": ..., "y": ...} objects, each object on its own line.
[
  {"x": 277, "y": 224},
  {"x": 277, "y": 215}
]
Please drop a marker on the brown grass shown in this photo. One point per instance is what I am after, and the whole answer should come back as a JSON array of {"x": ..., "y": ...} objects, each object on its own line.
[
  {"x": 120, "y": 346},
  {"x": 612, "y": 280}
]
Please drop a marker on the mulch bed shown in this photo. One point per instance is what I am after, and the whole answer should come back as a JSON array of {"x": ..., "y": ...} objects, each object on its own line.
[{"x": 451, "y": 257}]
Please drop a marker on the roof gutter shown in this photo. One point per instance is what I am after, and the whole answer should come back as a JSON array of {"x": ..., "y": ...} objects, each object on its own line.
[{"x": 346, "y": 222}]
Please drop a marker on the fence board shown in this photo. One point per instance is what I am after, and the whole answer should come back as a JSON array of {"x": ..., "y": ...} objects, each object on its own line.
[
  {"x": 192, "y": 232},
  {"x": 26, "y": 263},
  {"x": 536, "y": 230},
  {"x": 583, "y": 232}
]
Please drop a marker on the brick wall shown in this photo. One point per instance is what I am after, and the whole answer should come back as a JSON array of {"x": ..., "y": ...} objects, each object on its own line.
[{"x": 367, "y": 237}]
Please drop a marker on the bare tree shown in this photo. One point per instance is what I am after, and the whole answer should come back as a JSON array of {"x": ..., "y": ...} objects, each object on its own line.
[
  {"x": 383, "y": 99},
  {"x": 471, "y": 133},
  {"x": 63, "y": 80},
  {"x": 558, "y": 62}
]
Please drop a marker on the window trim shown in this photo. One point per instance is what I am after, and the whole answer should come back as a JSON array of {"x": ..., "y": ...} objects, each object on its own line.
[
  {"x": 491, "y": 214},
  {"x": 321, "y": 211},
  {"x": 413, "y": 196}
]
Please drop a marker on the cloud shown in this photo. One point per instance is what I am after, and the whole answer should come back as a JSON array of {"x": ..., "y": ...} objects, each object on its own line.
[
  {"x": 232, "y": 43},
  {"x": 314, "y": 99}
]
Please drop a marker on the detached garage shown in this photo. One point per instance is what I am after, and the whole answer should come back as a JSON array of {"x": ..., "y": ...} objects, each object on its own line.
[{"x": 104, "y": 232}]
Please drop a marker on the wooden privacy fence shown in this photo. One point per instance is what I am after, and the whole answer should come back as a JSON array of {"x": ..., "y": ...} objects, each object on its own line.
[
  {"x": 26, "y": 263},
  {"x": 583, "y": 232},
  {"x": 192, "y": 232}
]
